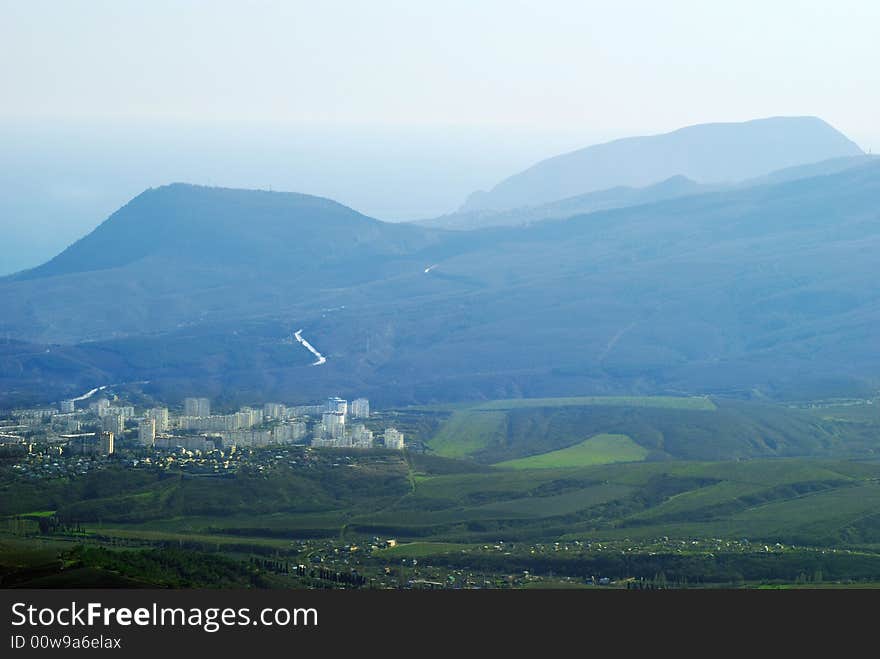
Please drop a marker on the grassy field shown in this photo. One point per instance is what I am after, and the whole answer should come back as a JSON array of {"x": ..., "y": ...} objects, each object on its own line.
[
  {"x": 560, "y": 504},
  {"x": 663, "y": 402},
  {"x": 792, "y": 499},
  {"x": 456, "y": 518},
  {"x": 597, "y": 450},
  {"x": 39, "y": 513},
  {"x": 666, "y": 402},
  {"x": 647, "y": 476},
  {"x": 858, "y": 411},
  {"x": 134, "y": 533},
  {"x": 467, "y": 431},
  {"x": 472, "y": 429},
  {"x": 665, "y": 427},
  {"x": 844, "y": 516}
]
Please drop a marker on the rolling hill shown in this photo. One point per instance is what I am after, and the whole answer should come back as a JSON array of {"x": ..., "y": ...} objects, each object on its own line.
[
  {"x": 183, "y": 253},
  {"x": 569, "y": 432},
  {"x": 200, "y": 226}
]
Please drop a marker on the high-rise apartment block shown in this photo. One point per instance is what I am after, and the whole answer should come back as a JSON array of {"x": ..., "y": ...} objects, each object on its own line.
[
  {"x": 106, "y": 443},
  {"x": 160, "y": 416},
  {"x": 360, "y": 408},
  {"x": 125, "y": 411},
  {"x": 147, "y": 432},
  {"x": 98, "y": 444},
  {"x": 100, "y": 406},
  {"x": 114, "y": 423},
  {"x": 393, "y": 439},
  {"x": 274, "y": 411},
  {"x": 339, "y": 405},
  {"x": 250, "y": 417},
  {"x": 333, "y": 425},
  {"x": 196, "y": 407},
  {"x": 361, "y": 437}
]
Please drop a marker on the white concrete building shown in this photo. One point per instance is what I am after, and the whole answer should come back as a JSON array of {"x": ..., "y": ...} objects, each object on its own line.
[
  {"x": 196, "y": 407},
  {"x": 274, "y": 411},
  {"x": 361, "y": 437},
  {"x": 333, "y": 425},
  {"x": 218, "y": 422},
  {"x": 287, "y": 433},
  {"x": 254, "y": 417},
  {"x": 107, "y": 443},
  {"x": 306, "y": 410},
  {"x": 147, "y": 432},
  {"x": 360, "y": 408},
  {"x": 393, "y": 439},
  {"x": 125, "y": 411},
  {"x": 100, "y": 443},
  {"x": 114, "y": 423},
  {"x": 336, "y": 404},
  {"x": 100, "y": 406},
  {"x": 160, "y": 416}
]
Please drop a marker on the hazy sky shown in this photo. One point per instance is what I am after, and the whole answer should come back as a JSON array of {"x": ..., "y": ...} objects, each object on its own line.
[
  {"x": 399, "y": 108},
  {"x": 621, "y": 66}
]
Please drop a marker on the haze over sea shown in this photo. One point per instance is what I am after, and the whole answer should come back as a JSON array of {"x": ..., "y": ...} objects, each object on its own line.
[{"x": 63, "y": 179}]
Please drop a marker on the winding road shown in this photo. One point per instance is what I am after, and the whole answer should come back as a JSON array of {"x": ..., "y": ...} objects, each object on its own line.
[{"x": 321, "y": 359}]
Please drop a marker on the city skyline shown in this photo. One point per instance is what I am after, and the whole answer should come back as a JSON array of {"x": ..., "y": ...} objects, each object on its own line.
[{"x": 95, "y": 425}]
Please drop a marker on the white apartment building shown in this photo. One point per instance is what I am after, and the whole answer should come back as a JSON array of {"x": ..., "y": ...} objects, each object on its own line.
[
  {"x": 393, "y": 439},
  {"x": 147, "y": 432},
  {"x": 196, "y": 407},
  {"x": 336, "y": 404},
  {"x": 125, "y": 411},
  {"x": 100, "y": 406},
  {"x": 160, "y": 416},
  {"x": 333, "y": 425},
  {"x": 274, "y": 411},
  {"x": 360, "y": 408},
  {"x": 361, "y": 437},
  {"x": 114, "y": 423}
]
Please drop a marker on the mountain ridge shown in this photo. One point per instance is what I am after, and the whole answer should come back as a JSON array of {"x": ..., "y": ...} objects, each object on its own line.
[
  {"x": 726, "y": 292},
  {"x": 750, "y": 149},
  {"x": 179, "y": 217},
  {"x": 617, "y": 197},
  {"x": 624, "y": 196}
]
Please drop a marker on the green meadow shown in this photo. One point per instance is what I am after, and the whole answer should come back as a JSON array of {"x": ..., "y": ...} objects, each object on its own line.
[
  {"x": 601, "y": 449},
  {"x": 653, "y": 477}
]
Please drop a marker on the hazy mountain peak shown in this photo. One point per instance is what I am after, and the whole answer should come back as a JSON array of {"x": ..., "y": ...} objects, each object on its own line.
[
  {"x": 678, "y": 179},
  {"x": 200, "y": 223},
  {"x": 705, "y": 153}
]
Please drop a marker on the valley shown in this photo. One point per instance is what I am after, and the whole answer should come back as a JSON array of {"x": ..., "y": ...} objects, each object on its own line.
[
  {"x": 635, "y": 365},
  {"x": 791, "y": 500}
]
